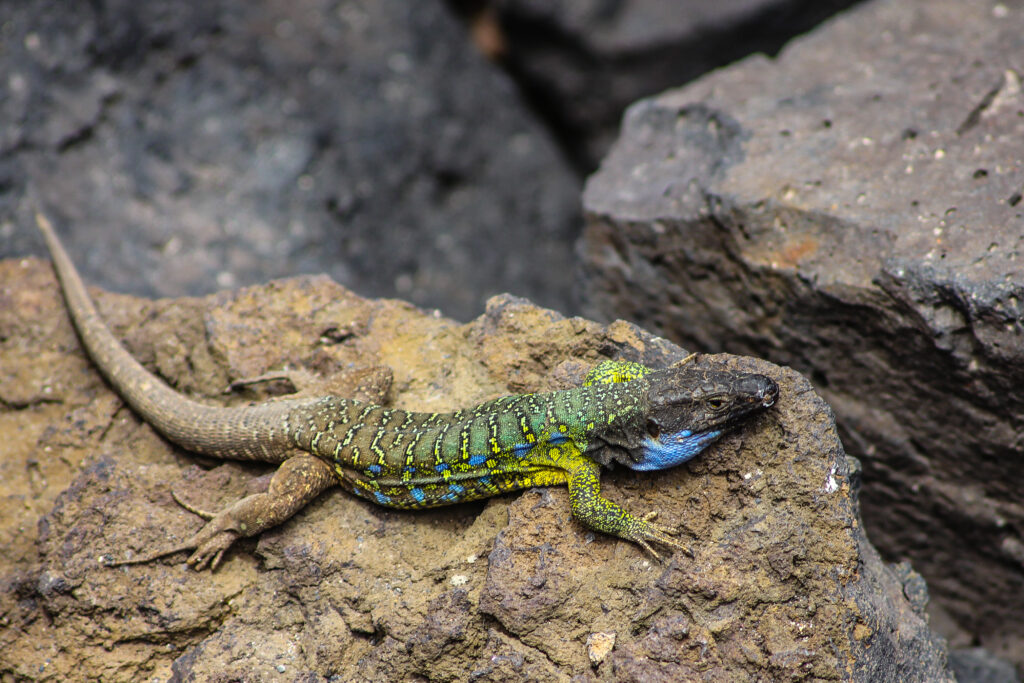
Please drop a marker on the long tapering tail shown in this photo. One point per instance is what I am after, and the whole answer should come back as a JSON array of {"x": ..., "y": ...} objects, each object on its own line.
[{"x": 249, "y": 433}]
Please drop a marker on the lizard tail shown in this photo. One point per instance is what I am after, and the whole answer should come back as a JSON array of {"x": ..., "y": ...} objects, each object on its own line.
[{"x": 249, "y": 433}]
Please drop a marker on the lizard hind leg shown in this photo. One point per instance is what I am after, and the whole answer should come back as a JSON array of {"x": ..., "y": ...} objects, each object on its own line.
[{"x": 297, "y": 481}]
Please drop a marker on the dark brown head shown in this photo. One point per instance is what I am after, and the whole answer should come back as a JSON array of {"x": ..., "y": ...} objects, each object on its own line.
[{"x": 687, "y": 409}]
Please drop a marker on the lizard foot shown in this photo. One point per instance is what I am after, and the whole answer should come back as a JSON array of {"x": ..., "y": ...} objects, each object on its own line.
[
  {"x": 658, "y": 533},
  {"x": 209, "y": 544},
  {"x": 299, "y": 479}
]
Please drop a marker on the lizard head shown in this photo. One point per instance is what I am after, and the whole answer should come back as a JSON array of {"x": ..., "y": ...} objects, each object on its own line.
[{"x": 686, "y": 410}]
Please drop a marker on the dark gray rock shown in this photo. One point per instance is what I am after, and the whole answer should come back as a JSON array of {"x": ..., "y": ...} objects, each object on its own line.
[
  {"x": 185, "y": 146},
  {"x": 853, "y": 210},
  {"x": 584, "y": 61},
  {"x": 976, "y": 665}
]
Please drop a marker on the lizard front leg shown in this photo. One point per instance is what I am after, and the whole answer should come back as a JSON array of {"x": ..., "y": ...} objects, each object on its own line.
[
  {"x": 601, "y": 514},
  {"x": 297, "y": 481}
]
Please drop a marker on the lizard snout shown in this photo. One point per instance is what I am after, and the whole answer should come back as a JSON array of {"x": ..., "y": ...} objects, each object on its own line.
[{"x": 769, "y": 393}]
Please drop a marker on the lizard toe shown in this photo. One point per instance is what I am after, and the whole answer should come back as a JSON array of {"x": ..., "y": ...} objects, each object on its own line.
[
  {"x": 647, "y": 546},
  {"x": 191, "y": 508},
  {"x": 210, "y": 551},
  {"x": 662, "y": 534}
]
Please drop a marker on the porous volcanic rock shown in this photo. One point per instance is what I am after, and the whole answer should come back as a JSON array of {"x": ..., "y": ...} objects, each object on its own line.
[
  {"x": 781, "y": 584},
  {"x": 192, "y": 146},
  {"x": 583, "y": 61},
  {"x": 853, "y": 210}
]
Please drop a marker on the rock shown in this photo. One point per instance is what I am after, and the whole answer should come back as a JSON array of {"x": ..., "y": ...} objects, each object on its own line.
[
  {"x": 976, "y": 665},
  {"x": 598, "y": 646},
  {"x": 853, "y": 210},
  {"x": 186, "y": 147},
  {"x": 584, "y": 61},
  {"x": 782, "y": 583}
]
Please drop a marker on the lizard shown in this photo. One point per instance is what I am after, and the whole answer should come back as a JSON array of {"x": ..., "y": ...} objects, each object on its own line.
[{"x": 624, "y": 413}]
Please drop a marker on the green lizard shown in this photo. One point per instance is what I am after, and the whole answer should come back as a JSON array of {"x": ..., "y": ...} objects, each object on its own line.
[{"x": 624, "y": 413}]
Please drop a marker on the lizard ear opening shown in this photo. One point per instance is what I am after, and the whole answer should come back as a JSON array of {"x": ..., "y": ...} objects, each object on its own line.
[{"x": 653, "y": 429}]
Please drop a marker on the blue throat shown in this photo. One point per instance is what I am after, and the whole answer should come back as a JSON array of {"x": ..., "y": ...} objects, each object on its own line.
[{"x": 670, "y": 450}]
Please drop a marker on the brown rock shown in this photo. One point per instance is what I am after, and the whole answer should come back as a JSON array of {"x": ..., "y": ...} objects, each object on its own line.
[{"x": 782, "y": 583}]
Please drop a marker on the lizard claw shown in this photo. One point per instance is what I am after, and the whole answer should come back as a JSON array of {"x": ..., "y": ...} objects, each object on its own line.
[
  {"x": 660, "y": 534},
  {"x": 209, "y": 543},
  {"x": 210, "y": 551},
  {"x": 212, "y": 541},
  {"x": 209, "y": 548},
  {"x": 149, "y": 557}
]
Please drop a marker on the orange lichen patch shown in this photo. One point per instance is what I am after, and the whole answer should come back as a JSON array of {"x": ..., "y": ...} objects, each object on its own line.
[{"x": 792, "y": 254}]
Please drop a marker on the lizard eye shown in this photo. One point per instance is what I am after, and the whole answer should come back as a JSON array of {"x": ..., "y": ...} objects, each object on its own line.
[
  {"x": 716, "y": 403},
  {"x": 653, "y": 430}
]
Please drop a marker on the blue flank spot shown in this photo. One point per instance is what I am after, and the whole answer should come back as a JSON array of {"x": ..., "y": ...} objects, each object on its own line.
[
  {"x": 558, "y": 438},
  {"x": 408, "y": 469},
  {"x": 418, "y": 494},
  {"x": 672, "y": 449},
  {"x": 374, "y": 469},
  {"x": 521, "y": 449},
  {"x": 443, "y": 467},
  {"x": 456, "y": 489},
  {"x": 381, "y": 498},
  {"x": 475, "y": 460},
  {"x": 486, "y": 481},
  {"x": 450, "y": 497}
]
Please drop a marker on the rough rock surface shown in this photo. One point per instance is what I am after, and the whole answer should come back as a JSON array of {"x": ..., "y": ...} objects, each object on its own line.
[
  {"x": 191, "y": 146},
  {"x": 853, "y": 210},
  {"x": 782, "y": 583},
  {"x": 584, "y": 61},
  {"x": 978, "y": 665}
]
